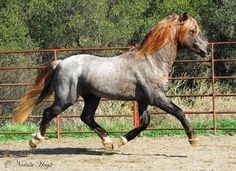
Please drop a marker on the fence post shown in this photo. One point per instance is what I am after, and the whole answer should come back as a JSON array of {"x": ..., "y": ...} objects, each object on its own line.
[
  {"x": 136, "y": 120},
  {"x": 54, "y": 55},
  {"x": 213, "y": 88}
]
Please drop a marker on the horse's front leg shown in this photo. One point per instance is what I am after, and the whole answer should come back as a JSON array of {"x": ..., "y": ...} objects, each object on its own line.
[
  {"x": 165, "y": 104},
  {"x": 145, "y": 120}
]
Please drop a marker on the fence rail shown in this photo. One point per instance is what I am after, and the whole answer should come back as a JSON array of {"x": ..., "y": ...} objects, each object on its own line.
[{"x": 213, "y": 112}]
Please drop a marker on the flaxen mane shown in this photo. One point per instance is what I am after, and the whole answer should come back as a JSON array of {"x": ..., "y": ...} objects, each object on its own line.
[{"x": 165, "y": 32}]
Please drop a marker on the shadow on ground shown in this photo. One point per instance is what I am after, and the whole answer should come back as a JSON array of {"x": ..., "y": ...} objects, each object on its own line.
[{"x": 76, "y": 151}]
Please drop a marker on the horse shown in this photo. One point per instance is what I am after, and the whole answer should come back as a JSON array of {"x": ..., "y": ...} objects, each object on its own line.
[{"x": 140, "y": 74}]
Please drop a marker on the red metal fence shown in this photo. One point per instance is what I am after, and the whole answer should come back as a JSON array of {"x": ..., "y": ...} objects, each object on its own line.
[{"x": 213, "y": 112}]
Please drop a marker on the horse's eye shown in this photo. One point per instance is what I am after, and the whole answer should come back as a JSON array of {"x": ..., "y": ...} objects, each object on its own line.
[{"x": 193, "y": 31}]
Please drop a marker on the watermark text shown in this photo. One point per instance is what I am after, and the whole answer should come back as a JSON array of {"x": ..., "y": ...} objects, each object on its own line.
[{"x": 28, "y": 164}]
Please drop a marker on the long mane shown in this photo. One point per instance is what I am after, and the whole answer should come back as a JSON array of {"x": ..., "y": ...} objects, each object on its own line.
[{"x": 170, "y": 30}]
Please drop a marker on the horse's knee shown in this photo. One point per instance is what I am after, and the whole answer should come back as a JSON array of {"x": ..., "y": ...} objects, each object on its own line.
[
  {"x": 145, "y": 124},
  {"x": 145, "y": 121}
]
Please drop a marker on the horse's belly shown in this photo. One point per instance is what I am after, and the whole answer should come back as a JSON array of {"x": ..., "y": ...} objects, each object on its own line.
[
  {"x": 114, "y": 93},
  {"x": 112, "y": 89}
]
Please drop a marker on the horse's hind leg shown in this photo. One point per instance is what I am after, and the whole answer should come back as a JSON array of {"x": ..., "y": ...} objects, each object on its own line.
[
  {"x": 48, "y": 115},
  {"x": 87, "y": 116},
  {"x": 145, "y": 120},
  {"x": 63, "y": 99}
]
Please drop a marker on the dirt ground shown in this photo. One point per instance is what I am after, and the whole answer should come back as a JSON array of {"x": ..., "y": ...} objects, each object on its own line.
[{"x": 160, "y": 154}]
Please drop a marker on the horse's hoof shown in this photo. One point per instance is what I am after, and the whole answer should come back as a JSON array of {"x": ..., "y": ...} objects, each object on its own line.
[
  {"x": 122, "y": 141},
  {"x": 107, "y": 143},
  {"x": 194, "y": 142},
  {"x": 32, "y": 144},
  {"x": 108, "y": 146}
]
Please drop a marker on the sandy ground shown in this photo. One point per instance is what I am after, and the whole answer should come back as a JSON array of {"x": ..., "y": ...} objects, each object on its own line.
[{"x": 160, "y": 154}]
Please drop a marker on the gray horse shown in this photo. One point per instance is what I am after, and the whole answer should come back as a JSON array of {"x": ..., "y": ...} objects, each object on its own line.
[{"x": 140, "y": 74}]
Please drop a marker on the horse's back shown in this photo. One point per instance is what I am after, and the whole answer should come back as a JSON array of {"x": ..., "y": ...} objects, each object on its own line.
[{"x": 105, "y": 77}]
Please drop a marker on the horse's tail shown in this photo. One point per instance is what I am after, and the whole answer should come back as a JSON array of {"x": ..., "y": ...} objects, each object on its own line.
[{"x": 41, "y": 86}]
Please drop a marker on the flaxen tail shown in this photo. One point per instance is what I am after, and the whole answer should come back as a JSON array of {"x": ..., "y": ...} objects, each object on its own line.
[{"x": 40, "y": 90}]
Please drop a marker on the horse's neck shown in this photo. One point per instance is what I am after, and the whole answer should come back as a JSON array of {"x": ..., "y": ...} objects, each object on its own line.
[{"x": 165, "y": 57}]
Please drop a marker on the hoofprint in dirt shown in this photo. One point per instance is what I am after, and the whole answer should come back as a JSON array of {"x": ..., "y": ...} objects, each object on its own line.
[{"x": 160, "y": 153}]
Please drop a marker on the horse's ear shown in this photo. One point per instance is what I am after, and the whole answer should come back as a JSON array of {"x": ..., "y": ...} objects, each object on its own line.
[{"x": 183, "y": 17}]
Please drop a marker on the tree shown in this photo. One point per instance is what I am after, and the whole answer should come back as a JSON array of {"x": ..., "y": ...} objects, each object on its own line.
[
  {"x": 219, "y": 19},
  {"x": 14, "y": 33}
]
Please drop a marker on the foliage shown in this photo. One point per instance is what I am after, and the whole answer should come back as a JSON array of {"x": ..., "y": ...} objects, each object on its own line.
[
  {"x": 13, "y": 30},
  {"x": 88, "y": 23}
]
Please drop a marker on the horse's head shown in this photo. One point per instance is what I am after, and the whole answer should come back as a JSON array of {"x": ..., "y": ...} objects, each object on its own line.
[
  {"x": 174, "y": 29},
  {"x": 190, "y": 36}
]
